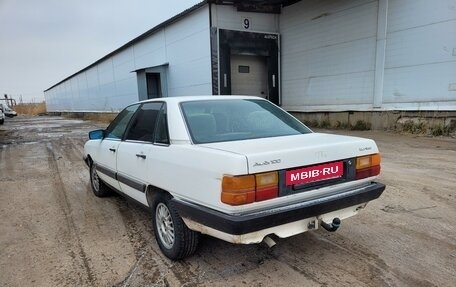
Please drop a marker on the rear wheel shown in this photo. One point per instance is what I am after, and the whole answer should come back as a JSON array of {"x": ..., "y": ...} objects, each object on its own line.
[
  {"x": 99, "y": 188},
  {"x": 174, "y": 238}
]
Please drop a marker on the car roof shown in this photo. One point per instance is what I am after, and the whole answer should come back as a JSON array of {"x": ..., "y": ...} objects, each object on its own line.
[{"x": 174, "y": 100}]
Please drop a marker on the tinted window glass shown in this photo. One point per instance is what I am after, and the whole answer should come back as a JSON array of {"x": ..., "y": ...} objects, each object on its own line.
[
  {"x": 117, "y": 128},
  {"x": 244, "y": 69},
  {"x": 231, "y": 120},
  {"x": 161, "y": 134},
  {"x": 143, "y": 125}
]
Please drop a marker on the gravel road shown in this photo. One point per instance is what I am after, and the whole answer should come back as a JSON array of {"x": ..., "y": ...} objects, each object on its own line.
[{"x": 55, "y": 232}]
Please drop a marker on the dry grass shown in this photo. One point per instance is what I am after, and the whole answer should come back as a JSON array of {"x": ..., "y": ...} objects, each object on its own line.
[
  {"x": 30, "y": 109},
  {"x": 100, "y": 117},
  {"x": 88, "y": 116},
  {"x": 38, "y": 109},
  {"x": 34, "y": 109}
]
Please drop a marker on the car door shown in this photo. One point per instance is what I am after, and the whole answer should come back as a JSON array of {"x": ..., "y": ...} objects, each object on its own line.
[
  {"x": 135, "y": 151},
  {"x": 106, "y": 156}
]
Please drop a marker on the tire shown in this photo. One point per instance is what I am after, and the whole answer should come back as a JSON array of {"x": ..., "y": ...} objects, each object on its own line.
[
  {"x": 2, "y": 121},
  {"x": 99, "y": 188},
  {"x": 174, "y": 238}
]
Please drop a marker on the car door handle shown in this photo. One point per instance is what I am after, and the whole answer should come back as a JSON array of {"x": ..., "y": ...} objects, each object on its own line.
[
  {"x": 112, "y": 149},
  {"x": 143, "y": 156}
]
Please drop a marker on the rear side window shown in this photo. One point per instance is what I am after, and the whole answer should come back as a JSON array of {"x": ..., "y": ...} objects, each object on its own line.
[
  {"x": 143, "y": 125},
  {"x": 118, "y": 126}
]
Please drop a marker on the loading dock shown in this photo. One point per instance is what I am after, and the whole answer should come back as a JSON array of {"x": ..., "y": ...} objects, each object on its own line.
[{"x": 259, "y": 52}]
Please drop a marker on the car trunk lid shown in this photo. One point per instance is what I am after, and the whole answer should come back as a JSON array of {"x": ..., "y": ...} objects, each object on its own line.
[{"x": 290, "y": 152}]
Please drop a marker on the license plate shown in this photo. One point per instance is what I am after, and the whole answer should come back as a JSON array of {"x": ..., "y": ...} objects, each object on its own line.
[{"x": 315, "y": 173}]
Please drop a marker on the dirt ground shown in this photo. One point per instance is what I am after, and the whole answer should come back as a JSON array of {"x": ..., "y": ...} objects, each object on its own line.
[{"x": 55, "y": 232}]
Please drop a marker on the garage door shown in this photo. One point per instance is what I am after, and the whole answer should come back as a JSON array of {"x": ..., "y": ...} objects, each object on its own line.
[{"x": 249, "y": 75}]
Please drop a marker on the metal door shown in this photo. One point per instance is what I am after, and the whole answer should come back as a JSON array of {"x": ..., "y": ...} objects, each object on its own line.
[
  {"x": 249, "y": 75},
  {"x": 153, "y": 85}
]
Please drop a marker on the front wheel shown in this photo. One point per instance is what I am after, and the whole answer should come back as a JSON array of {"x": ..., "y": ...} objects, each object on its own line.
[
  {"x": 174, "y": 238},
  {"x": 99, "y": 188}
]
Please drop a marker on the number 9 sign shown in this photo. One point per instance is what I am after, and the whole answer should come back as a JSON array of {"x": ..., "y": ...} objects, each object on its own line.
[{"x": 246, "y": 23}]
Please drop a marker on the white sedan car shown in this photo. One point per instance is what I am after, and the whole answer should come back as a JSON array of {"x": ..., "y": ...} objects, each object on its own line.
[
  {"x": 7, "y": 111},
  {"x": 234, "y": 167}
]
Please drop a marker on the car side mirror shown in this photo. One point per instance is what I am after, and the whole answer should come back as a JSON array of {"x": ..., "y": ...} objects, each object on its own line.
[{"x": 97, "y": 134}]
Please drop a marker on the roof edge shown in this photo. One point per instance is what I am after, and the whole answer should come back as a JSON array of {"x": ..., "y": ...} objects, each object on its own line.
[{"x": 137, "y": 39}]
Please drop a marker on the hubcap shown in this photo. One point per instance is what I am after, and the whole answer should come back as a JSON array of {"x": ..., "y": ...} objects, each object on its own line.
[
  {"x": 165, "y": 226},
  {"x": 95, "y": 179}
]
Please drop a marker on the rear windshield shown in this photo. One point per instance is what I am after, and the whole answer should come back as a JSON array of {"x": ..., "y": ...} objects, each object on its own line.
[{"x": 232, "y": 120}]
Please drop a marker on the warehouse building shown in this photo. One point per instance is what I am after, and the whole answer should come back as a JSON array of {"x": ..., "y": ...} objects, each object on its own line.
[{"x": 376, "y": 60}]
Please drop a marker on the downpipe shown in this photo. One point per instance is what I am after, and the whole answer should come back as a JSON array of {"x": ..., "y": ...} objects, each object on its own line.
[
  {"x": 269, "y": 241},
  {"x": 331, "y": 227}
]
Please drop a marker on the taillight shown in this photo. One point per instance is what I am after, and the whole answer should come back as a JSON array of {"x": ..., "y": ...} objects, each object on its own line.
[
  {"x": 238, "y": 190},
  {"x": 367, "y": 166},
  {"x": 267, "y": 186}
]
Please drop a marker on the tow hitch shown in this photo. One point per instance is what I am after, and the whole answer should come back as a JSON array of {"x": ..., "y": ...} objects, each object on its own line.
[{"x": 331, "y": 227}]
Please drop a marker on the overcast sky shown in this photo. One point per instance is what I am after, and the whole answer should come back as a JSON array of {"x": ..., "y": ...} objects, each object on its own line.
[{"x": 42, "y": 42}]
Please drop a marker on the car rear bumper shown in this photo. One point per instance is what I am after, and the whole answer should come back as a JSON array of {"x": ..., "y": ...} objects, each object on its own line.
[{"x": 248, "y": 223}]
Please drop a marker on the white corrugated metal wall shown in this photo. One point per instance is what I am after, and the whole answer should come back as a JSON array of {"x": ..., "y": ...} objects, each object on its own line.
[
  {"x": 420, "y": 66},
  {"x": 336, "y": 55},
  {"x": 328, "y": 54},
  {"x": 112, "y": 84}
]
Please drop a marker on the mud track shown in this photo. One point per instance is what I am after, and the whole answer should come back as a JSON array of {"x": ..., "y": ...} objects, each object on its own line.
[{"x": 54, "y": 232}]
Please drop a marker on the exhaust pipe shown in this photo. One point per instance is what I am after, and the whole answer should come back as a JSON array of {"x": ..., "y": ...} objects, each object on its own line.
[
  {"x": 331, "y": 227},
  {"x": 269, "y": 241}
]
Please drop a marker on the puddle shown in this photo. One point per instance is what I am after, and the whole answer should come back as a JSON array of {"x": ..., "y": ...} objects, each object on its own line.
[{"x": 31, "y": 143}]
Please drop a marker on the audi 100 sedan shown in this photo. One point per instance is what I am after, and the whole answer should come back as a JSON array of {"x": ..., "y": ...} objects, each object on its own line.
[{"x": 237, "y": 168}]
